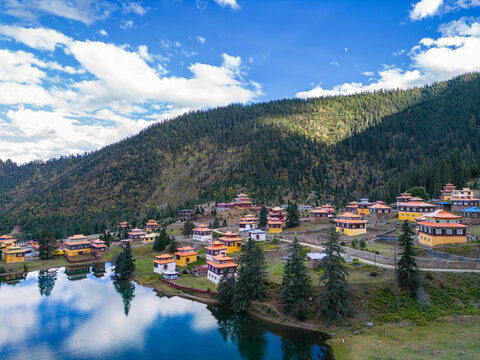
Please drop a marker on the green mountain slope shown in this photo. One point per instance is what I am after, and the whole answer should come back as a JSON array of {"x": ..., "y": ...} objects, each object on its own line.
[{"x": 334, "y": 149}]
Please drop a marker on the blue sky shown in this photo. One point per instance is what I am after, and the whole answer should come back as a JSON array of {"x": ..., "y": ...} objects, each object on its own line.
[{"x": 77, "y": 75}]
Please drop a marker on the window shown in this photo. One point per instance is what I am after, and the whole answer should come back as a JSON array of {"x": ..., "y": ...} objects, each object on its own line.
[
  {"x": 459, "y": 231},
  {"x": 449, "y": 231},
  {"x": 438, "y": 231}
]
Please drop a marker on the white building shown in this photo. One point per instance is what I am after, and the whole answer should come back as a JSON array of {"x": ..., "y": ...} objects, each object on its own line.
[
  {"x": 256, "y": 234},
  {"x": 218, "y": 266},
  {"x": 164, "y": 263},
  {"x": 202, "y": 233}
]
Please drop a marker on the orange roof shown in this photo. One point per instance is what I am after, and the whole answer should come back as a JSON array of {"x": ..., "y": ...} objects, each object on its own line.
[
  {"x": 319, "y": 210},
  {"x": 221, "y": 266},
  {"x": 379, "y": 206},
  {"x": 186, "y": 248},
  {"x": 230, "y": 239},
  {"x": 202, "y": 227},
  {"x": 186, "y": 253},
  {"x": 164, "y": 256},
  {"x": 349, "y": 214},
  {"x": 348, "y": 221},
  {"x": 97, "y": 245},
  {"x": 442, "y": 214},
  {"x": 417, "y": 203},
  {"x": 352, "y": 203},
  {"x": 221, "y": 257},
  {"x": 442, "y": 225},
  {"x": 77, "y": 237},
  {"x": 218, "y": 246},
  {"x": 274, "y": 222},
  {"x": 76, "y": 242},
  {"x": 229, "y": 234},
  {"x": 163, "y": 262}
]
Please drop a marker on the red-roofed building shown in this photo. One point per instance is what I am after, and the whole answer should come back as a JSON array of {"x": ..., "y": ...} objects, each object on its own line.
[
  {"x": 231, "y": 241},
  {"x": 185, "y": 255},
  {"x": 413, "y": 209},
  {"x": 215, "y": 248},
  {"x": 441, "y": 227},
  {"x": 164, "y": 263},
  {"x": 380, "y": 210},
  {"x": 218, "y": 266},
  {"x": 202, "y": 233},
  {"x": 350, "y": 224},
  {"x": 151, "y": 225}
]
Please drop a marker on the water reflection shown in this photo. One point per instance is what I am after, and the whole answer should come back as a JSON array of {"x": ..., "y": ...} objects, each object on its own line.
[
  {"x": 49, "y": 315},
  {"x": 46, "y": 281}
]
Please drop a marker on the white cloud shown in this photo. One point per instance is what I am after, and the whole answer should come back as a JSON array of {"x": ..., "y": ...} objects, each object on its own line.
[
  {"x": 425, "y": 8},
  {"x": 231, "y": 3},
  {"x": 134, "y": 8},
  {"x": 103, "y": 32},
  {"x": 201, "y": 39},
  {"x": 37, "y": 38},
  {"x": 368, "y": 73},
  {"x": 86, "y": 11},
  {"x": 454, "y": 53},
  {"x": 52, "y": 109},
  {"x": 126, "y": 24},
  {"x": 334, "y": 63}
]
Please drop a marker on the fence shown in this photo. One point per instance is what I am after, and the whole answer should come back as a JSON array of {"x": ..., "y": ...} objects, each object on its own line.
[
  {"x": 180, "y": 287},
  {"x": 442, "y": 255}
]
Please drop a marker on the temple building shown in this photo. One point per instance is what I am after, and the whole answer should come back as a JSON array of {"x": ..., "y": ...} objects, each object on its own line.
[
  {"x": 151, "y": 225},
  {"x": 186, "y": 215},
  {"x": 77, "y": 245},
  {"x": 136, "y": 235},
  {"x": 231, "y": 241},
  {"x": 411, "y": 210},
  {"x": 243, "y": 201},
  {"x": 403, "y": 198},
  {"x": 319, "y": 215},
  {"x": 77, "y": 272},
  {"x": 248, "y": 222},
  {"x": 185, "y": 255},
  {"x": 11, "y": 253},
  {"x": 441, "y": 227},
  {"x": 459, "y": 204},
  {"x": 447, "y": 192},
  {"x": 256, "y": 234},
  {"x": 352, "y": 207},
  {"x": 98, "y": 247},
  {"x": 465, "y": 193},
  {"x": 350, "y": 224},
  {"x": 471, "y": 215},
  {"x": 380, "y": 209},
  {"x": 164, "y": 263},
  {"x": 218, "y": 266},
  {"x": 215, "y": 248},
  {"x": 274, "y": 226},
  {"x": 363, "y": 206},
  {"x": 202, "y": 233}
]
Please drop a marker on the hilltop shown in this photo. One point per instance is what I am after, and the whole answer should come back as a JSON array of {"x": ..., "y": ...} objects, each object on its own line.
[{"x": 336, "y": 149}]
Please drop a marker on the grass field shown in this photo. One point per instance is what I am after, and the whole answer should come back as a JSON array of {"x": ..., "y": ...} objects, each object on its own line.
[
  {"x": 446, "y": 338},
  {"x": 196, "y": 282},
  {"x": 474, "y": 230}
]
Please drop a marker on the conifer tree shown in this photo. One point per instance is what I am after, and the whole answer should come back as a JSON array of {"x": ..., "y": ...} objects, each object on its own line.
[
  {"x": 293, "y": 218},
  {"x": 335, "y": 300},
  {"x": 216, "y": 224},
  {"x": 173, "y": 245},
  {"x": 252, "y": 276},
  {"x": 160, "y": 241},
  {"x": 262, "y": 220},
  {"x": 188, "y": 227},
  {"x": 226, "y": 289},
  {"x": 124, "y": 263},
  {"x": 46, "y": 281},
  {"x": 408, "y": 274},
  {"x": 296, "y": 284},
  {"x": 224, "y": 223},
  {"x": 46, "y": 244}
]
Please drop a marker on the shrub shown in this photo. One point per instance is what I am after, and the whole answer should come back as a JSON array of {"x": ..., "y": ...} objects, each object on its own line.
[
  {"x": 373, "y": 273},
  {"x": 342, "y": 243}
]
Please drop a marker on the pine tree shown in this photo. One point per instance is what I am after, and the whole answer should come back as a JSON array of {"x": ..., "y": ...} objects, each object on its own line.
[
  {"x": 335, "y": 300},
  {"x": 215, "y": 224},
  {"x": 46, "y": 244},
  {"x": 173, "y": 245},
  {"x": 226, "y": 289},
  {"x": 296, "y": 284},
  {"x": 124, "y": 263},
  {"x": 188, "y": 227},
  {"x": 262, "y": 220},
  {"x": 160, "y": 241},
  {"x": 252, "y": 276},
  {"x": 46, "y": 281},
  {"x": 408, "y": 274},
  {"x": 293, "y": 218},
  {"x": 224, "y": 223}
]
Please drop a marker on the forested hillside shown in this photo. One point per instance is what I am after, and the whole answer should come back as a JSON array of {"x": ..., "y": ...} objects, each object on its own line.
[{"x": 335, "y": 149}]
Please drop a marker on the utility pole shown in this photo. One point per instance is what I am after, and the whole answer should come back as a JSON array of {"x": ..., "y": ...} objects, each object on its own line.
[{"x": 396, "y": 276}]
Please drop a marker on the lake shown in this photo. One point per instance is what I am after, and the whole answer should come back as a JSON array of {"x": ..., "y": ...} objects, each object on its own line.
[{"x": 81, "y": 313}]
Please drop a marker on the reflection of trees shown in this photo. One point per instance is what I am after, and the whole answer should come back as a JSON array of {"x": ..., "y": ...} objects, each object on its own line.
[
  {"x": 126, "y": 289},
  {"x": 243, "y": 331},
  {"x": 46, "y": 281},
  {"x": 304, "y": 348}
]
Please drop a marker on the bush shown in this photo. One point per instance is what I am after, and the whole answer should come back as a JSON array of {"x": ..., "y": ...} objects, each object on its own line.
[
  {"x": 342, "y": 243},
  {"x": 373, "y": 273},
  {"x": 355, "y": 261},
  {"x": 353, "y": 243}
]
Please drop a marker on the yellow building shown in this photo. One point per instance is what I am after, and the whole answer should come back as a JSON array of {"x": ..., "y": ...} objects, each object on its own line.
[
  {"x": 364, "y": 207},
  {"x": 231, "y": 241},
  {"x": 274, "y": 226},
  {"x": 75, "y": 248},
  {"x": 413, "y": 209},
  {"x": 185, "y": 255},
  {"x": 447, "y": 192},
  {"x": 441, "y": 227},
  {"x": 12, "y": 253},
  {"x": 352, "y": 207},
  {"x": 350, "y": 224}
]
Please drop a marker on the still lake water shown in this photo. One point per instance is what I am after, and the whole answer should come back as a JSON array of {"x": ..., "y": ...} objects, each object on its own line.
[{"x": 80, "y": 313}]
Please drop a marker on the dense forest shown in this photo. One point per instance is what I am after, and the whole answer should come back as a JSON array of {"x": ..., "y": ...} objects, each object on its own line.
[{"x": 332, "y": 149}]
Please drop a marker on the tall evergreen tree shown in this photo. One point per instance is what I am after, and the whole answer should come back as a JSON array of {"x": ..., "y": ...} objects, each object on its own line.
[
  {"x": 46, "y": 244},
  {"x": 335, "y": 300},
  {"x": 124, "y": 263},
  {"x": 252, "y": 276},
  {"x": 293, "y": 217},
  {"x": 262, "y": 220},
  {"x": 408, "y": 273},
  {"x": 126, "y": 289},
  {"x": 215, "y": 224},
  {"x": 188, "y": 227},
  {"x": 46, "y": 281},
  {"x": 173, "y": 245},
  {"x": 226, "y": 289},
  {"x": 160, "y": 241},
  {"x": 296, "y": 284}
]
